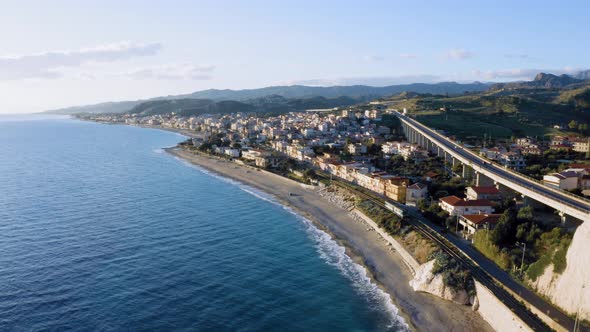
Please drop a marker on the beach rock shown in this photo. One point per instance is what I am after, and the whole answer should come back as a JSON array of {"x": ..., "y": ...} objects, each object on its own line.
[
  {"x": 338, "y": 198},
  {"x": 474, "y": 303},
  {"x": 427, "y": 282}
]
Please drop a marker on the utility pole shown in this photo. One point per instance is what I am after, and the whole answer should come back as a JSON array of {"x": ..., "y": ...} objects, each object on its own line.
[
  {"x": 519, "y": 244},
  {"x": 576, "y": 322}
]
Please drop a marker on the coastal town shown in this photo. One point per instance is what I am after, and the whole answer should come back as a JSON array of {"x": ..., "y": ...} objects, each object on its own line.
[
  {"x": 391, "y": 166},
  {"x": 365, "y": 147}
]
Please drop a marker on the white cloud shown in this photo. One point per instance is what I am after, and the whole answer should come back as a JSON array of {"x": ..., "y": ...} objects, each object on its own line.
[
  {"x": 408, "y": 56},
  {"x": 48, "y": 64},
  {"x": 458, "y": 54},
  {"x": 171, "y": 72},
  {"x": 516, "y": 56}
]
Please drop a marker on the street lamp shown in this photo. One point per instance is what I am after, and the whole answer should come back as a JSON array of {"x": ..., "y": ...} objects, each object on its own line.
[
  {"x": 576, "y": 322},
  {"x": 523, "y": 246}
]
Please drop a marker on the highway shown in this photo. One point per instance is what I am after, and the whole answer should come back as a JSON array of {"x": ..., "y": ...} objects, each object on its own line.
[{"x": 563, "y": 201}]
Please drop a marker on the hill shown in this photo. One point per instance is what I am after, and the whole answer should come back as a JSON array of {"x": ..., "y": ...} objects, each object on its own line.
[
  {"x": 542, "y": 80},
  {"x": 514, "y": 109},
  {"x": 187, "y": 107},
  {"x": 354, "y": 91},
  {"x": 269, "y": 104},
  {"x": 357, "y": 92}
]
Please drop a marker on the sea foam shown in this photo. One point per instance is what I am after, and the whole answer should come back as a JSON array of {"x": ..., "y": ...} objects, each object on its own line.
[{"x": 330, "y": 252}]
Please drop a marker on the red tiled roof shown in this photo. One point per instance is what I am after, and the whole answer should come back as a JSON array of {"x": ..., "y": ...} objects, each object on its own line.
[
  {"x": 417, "y": 186},
  {"x": 586, "y": 166},
  {"x": 486, "y": 190},
  {"x": 456, "y": 201},
  {"x": 482, "y": 218}
]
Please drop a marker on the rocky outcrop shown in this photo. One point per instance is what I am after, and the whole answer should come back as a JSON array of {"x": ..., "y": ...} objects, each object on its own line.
[
  {"x": 425, "y": 281},
  {"x": 571, "y": 289}
]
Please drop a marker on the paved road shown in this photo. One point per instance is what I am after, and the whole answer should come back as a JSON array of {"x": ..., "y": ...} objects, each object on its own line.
[
  {"x": 501, "y": 276},
  {"x": 509, "y": 176},
  {"x": 479, "y": 266}
]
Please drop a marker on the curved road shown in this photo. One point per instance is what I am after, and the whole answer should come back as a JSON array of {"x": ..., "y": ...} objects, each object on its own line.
[{"x": 579, "y": 204}]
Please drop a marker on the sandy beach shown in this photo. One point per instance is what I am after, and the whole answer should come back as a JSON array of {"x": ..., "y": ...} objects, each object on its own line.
[{"x": 423, "y": 312}]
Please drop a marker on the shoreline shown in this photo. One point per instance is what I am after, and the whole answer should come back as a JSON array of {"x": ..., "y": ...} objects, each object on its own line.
[{"x": 420, "y": 311}]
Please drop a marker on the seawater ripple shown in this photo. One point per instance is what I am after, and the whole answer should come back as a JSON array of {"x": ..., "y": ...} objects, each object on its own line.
[
  {"x": 329, "y": 250},
  {"x": 100, "y": 231}
]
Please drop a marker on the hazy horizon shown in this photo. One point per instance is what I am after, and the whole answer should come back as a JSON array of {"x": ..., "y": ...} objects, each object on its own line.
[{"x": 66, "y": 53}]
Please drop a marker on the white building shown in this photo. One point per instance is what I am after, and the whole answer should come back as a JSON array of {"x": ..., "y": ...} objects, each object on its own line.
[
  {"x": 566, "y": 180},
  {"x": 483, "y": 192},
  {"x": 456, "y": 206},
  {"x": 416, "y": 192}
]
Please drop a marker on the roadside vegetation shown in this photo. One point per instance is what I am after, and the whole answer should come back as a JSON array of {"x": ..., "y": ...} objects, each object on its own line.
[{"x": 504, "y": 244}]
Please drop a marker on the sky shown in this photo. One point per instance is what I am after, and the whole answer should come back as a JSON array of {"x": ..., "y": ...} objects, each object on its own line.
[{"x": 64, "y": 53}]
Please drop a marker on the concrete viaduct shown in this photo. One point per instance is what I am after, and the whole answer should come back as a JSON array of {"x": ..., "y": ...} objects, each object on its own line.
[{"x": 566, "y": 203}]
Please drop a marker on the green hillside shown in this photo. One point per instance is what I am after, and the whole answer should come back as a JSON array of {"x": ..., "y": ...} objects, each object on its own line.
[{"x": 502, "y": 112}]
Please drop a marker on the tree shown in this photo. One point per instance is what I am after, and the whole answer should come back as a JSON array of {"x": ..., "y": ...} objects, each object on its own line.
[
  {"x": 525, "y": 214},
  {"x": 505, "y": 228},
  {"x": 582, "y": 127},
  {"x": 573, "y": 124}
]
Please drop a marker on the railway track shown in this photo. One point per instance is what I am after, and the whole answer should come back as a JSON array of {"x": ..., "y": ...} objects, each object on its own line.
[{"x": 477, "y": 272}]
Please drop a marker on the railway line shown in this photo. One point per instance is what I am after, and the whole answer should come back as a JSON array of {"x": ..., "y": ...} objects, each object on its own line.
[{"x": 477, "y": 272}]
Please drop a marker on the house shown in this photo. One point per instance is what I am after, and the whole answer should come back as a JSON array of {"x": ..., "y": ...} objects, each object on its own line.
[
  {"x": 395, "y": 188},
  {"x": 234, "y": 153},
  {"x": 560, "y": 147},
  {"x": 512, "y": 160},
  {"x": 269, "y": 161},
  {"x": 566, "y": 180},
  {"x": 390, "y": 148},
  {"x": 492, "y": 153},
  {"x": 253, "y": 154},
  {"x": 431, "y": 176},
  {"x": 581, "y": 144},
  {"x": 525, "y": 141},
  {"x": 416, "y": 192},
  {"x": 357, "y": 148},
  {"x": 532, "y": 150},
  {"x": 456, "y": 206},
  {"x": 473, "y": 222},
  {"x": 483, "y": 192}
]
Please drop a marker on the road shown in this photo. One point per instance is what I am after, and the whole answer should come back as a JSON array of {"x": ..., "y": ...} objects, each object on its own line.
[
  {"x": 509, "y": 177},
  {"x": 484, "y": 270}
]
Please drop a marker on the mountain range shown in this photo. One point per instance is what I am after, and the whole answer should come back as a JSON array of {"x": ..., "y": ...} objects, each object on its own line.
[
  {"x": 305, "y": 95},
  {"x": 300, "y": 97}
]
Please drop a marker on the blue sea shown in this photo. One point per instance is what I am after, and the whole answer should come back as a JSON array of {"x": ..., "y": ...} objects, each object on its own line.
[{"x": 100, "y": 230}]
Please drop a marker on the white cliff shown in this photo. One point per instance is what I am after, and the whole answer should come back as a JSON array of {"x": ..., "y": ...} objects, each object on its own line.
[
  {"x": 570, "y": 290},
  {"x": 425, "y": 281}
]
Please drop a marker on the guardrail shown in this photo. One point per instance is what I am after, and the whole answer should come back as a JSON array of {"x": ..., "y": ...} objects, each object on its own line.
[{"x": 522, "y": 176}]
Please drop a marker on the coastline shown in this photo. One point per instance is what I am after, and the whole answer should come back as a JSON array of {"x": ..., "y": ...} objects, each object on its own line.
[{"x": 422, "y": 312}]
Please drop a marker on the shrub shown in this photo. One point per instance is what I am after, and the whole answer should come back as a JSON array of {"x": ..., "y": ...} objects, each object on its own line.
[
  {"x": 453, "y": 273},
  {"x": 551, "y": 248},
  {"x": 489, "y": 249},
  {"x": 383, "y": 217}
]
